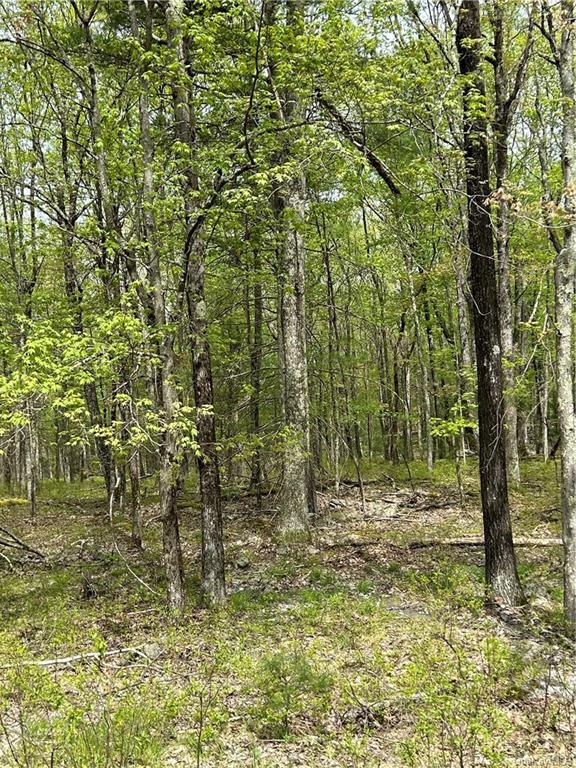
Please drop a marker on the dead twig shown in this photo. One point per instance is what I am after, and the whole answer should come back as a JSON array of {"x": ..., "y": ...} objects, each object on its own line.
[
  {"x": 15, "y": 543},
  {"x": 127, "y": 564}
]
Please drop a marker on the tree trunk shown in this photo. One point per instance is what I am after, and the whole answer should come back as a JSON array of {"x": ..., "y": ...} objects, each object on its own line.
[
  {"x": 333, "y": 355},
  {"x": 424, "y": 383},
  {"x": 298, "y": 498},
  {"x": 167, "y": 402},
  {"x": 255, "y": 346},
  {"x": 501, "y": 574},
  {"x": 295, "y": 502},
  {"x": 501, "y": 130},
  {"x": 564, "y": 283},
  {"x": 213, "y": 581}
]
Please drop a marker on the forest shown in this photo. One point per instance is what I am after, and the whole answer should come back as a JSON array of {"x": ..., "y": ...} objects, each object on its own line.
[{"x": 287, "y": 383}]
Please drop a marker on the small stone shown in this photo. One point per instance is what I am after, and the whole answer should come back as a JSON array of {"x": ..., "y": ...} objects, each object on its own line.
[
  {"x": 542, "y": 603},
  {"x": 152, "y": 651}
]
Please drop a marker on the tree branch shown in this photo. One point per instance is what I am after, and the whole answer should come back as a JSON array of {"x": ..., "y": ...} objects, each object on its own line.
[{"x": 357, "y": 141}]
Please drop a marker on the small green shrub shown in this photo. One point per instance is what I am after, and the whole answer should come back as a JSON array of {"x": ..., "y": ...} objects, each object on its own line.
[
  {"x": 456, "y": 701},
  {"x": 450, "y": 587},
  {"x": 320, "y": 577},
  {"x": 288, "y": 686},
  {"x": 130, "y": 735},
  {"x": 47, "y": 722}
]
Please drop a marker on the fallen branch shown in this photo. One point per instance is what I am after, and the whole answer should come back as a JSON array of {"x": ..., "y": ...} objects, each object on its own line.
[
  {"x": 66, "y": 660},
  {"x": 478, "y": 541},
  {"x": 16, "y": 543},
  {"x": 355, "y": 137},
  {"x": 349, "y": 483},
  {"x": 65, "y": 504}
]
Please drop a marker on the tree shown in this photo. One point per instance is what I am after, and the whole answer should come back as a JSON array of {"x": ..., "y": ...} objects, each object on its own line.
[
  {"x": 560, "y": 35},
  {"x": 298, "y": 492},
  {"x": 501, "y": 573},
  {"x": 507, "y": 87}
]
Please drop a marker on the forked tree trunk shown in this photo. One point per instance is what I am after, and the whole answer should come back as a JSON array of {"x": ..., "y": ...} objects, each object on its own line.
[{"x": 501, "y": 574}]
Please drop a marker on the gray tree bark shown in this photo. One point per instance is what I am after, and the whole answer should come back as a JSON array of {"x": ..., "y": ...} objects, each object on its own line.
[
  {"x": 167, "y": 402},
  {"x": 192, "y": 287},
  {"x": 298, "y": 497},
  {"x": 506, "y": 96},
  {"x": 562, "y": 44}
]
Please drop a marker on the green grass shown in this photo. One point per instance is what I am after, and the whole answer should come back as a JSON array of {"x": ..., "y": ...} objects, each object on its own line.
[{"x": 362, "y": 654}]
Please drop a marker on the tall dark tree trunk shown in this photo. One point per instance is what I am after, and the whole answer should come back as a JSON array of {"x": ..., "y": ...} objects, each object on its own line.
[{"x": 501, "y": 574}]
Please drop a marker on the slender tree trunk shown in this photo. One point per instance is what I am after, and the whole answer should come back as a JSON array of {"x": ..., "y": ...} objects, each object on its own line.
[
  {"x": 383, "y": 367},
  {"x": 167, "y": 396},
  {"x": 213, "y": 580},
  {"x": 463, "y": 327},
  {"x": 398, "y": 407},
  {"x": 501, "y": 573},
  {"x": 350, "y": 384},
  {"x": 564, "y": 284},
  {"x": 255, "y": 345},
  {"x": 424, "y": 382},
  {"x": 333, "y": 354},
  {"x": 436, "y": 408},
  {"x": 135, "y": 505},
  {"x": 501, "y": 129},
  {"x": 407, "y": 400},
  {"x": 31, "y": 456}
]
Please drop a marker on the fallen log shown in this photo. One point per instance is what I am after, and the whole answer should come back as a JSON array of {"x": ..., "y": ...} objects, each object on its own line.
[{"x": 478, "y": 541}]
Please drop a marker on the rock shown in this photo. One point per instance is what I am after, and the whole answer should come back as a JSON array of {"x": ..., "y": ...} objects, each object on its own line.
[
  {"x": 178, "y": 756},
  {"x": 542, "y": 603},
  {"x": 152, "y": 651},
  {"x": 558, "y": 685}
]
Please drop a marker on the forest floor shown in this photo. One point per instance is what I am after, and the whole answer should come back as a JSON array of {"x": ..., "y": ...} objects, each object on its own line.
[{"x": 362, "y": 648}]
